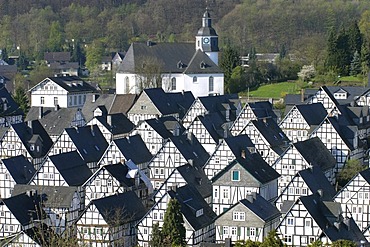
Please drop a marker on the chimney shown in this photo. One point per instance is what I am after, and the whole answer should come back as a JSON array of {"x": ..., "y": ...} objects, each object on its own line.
[
  {"x": 109, "y": 120},
  {"x": 92, "y": 130},
  {"x": 320, "y": 192},
  {"x": 190, "y": 137},
  {"x": 56, "y": 107},
  {"x": 243, "y": 154},
  {"x": 41, "y": 112},
  {"x": 94, "y": 97},
  {"x": 5, "y": 105},
  {"x": 302, "y": 95}
]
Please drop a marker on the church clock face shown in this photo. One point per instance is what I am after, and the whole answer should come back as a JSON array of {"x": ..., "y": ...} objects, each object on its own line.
[{"x": 205, "y": 40}]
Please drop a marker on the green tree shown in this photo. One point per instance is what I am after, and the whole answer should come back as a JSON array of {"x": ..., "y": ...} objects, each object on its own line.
[
  {"x": 354, "y": 38},
  {"x": 20, "y": 97},
  {"x": 272, "y": 240},
  {"x": 173, "y": 230},
  {"x": 351, "y": 168},
  {"x": 343, "y": 52},
  {"x": 355, "y": 67},
  {"x": 331, "y": 57},
  {"x": 156, "y": 238},
  {"x": 229, "y": 60},
  {"x": 56, "y": 39},
  {"x": 316, "y": 243},
  {"x": 343, "y": 243},
  {"x": 94, "y": 55},
  {"x": 237, "y": 81},
  {"x": 39, "y": 73},
  {"x": 247, "y": 243}
]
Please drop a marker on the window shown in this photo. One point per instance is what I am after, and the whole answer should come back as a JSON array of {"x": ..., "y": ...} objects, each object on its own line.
[
  {"x": 161, "y": 216},
  {"x": 210, "y": 86},
  {"x": 233, "y": 230},
  {"x": 226, "y": 193},
  {"x": 238, "y": 216},
  {"x": 55, "y": 100},
  {"x": 252, "y": 231},
  {"x": 307, "y": 223},
  {"x": 235, "y": 176},
  {"x": 42, "y": 100},
  {"x": 162, "y": 171},
  {"x": 215, "y": 192},
  {"x": 75, "y": 100},
  {"x": 109, "y": 182},
  {"x": 225, "y": 230},
  {"x": 155, "y": 216},
  {"x": 173, "y": 83},
  {"x": 288, "y": 238},
  {"x": 79, "y": 100},
  {"x": 195, "y": 79},
  {"x": 127, "y": 84},
  {"x": 199, "y": 212},
  {"x": 304, "y": 191},
  {"x": 290, "y": 221}
]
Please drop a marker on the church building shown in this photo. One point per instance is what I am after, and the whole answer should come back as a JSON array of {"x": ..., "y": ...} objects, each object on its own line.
[{"x": 175, "y": 67}]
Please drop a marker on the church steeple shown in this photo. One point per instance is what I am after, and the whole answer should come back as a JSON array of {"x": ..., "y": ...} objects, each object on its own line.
[{"x": 207, "y": 38}]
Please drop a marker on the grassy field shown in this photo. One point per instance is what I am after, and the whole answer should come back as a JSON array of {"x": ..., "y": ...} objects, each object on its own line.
[
  {"x": 276, "y": 90},
  {"x": 351, "y": 78}
]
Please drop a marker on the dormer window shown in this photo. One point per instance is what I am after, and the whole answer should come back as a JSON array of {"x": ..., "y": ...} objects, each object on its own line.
[
  {"x": 203, "y": 65},
  {"x": 199, "y": 212},
  {"x": 180, "y": 65},
  {"x": 173, "y": 83}
]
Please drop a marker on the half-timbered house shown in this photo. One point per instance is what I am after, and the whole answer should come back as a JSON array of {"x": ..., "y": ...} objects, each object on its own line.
[
  {"x": 302, "y": 155},
  {"x": 56, "y": 119},
  {"x": 60, "y": 203},
  {"x": 110, "y": 221},
  {"x": 10, "y": 112},
  {"x": 306, "y": 182},
  {"x": 23, "y": 238},
  {"x": 28, "y": 139},
  {"x": 311, "y": 218},
  {"x": 241, "y": 177},
  {"x": 16, "y": 170},
  {"x": 299, "y": 121},
  {"x": 155, "y": 131},
  {"x": 251, "y": 218},
  {"x": 177, "y": 151},
  {"x": 197, "y": 214},
  {"x": 228, "y": 150},
  {"x": 88, "y": 141},
  {"x": 269, "y": 140},
  {"x": 252, "y": 111},
  {"x": 327, "y": 99}
]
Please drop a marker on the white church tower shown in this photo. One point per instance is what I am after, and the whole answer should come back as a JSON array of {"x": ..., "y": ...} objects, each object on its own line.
[{"x": 207, "y": 38}]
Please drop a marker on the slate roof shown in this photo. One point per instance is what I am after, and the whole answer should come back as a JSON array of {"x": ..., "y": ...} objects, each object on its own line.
[
  {"x": 326, "y": 215},
  {"x": 314, "y": 114},
  {"x": 71, "y": 167},
  {"x": 95, "y": 100},
  {"x": 54, "y": 121},
  {"x": 89, "y": 142},
  {"x": 262, "y": 109},
  {"x": 197, "y": 178},
  {"x": 214, "y": 124},
  {"x": 119, "y": 171},
  {"x": 260, "y": 207},
  {"x": 352, "y": 93},
  {"x": 273, "y": 134},
  {"x": 191, "y": 201},
  {"x": 12, "y": 108},
  {"x": 165, "y": 125},
  {"x": 134, "y": 148},
  {"x": 191, "y": 149},
  {"x": 20, "y": 169},
  {"x": 52, "y": 196},
  {"x": 316, "y": 180},
  {"x": 66, "y": 65},
  {"x": 120, "y": 208},
  {"x": 315, "y": 153},
  {"x": 255, "y": 165},
  {"x": 122, "y": 103},
  {"x": 8, "y": 73},
  {"x": 167, "y": 56},
  {"x": 24, "y": 208},
  {"x": 25, "y": 133},
  {"x": 345, "y": 132},
  {"x": 72, "y": 84},
  {"x": 366, "y": 175},
  {"x": 214, "y": 103},
  {"x": 182, "y": 100},
  {"x": 57, "y": 56},
  {"x": 120, "y": 124}
]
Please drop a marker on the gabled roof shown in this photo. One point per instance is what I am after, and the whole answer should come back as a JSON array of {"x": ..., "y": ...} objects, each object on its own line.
[
  {"x": 165, "y": 125},
  {"x": 134, "y": 148},
  {"x": 273, "y": 134},
  {"x": 213, "y": 123},
  {"x": 352, "y": 93},
  {"x": 72, "y": 84},
  {"x": 255, "y": 165},
  {"x": 162, "y": 102},
  {"x": 239, "y": 143},
  {"x": 262, "y": 109},
  {"x": 64, "y": 65},
  {"x": 200, "y": 63},
  {"x": 316, "y": 180},
  {"x": 20, "y": 169},
  {"x": 95, "y": 100},
  {"x": 8, "y": 107},
  {"x": 24, "y": 208},
  {"x": 315, "y": 153},
  {"x": 214, "y": 103},
  {"x": 167, "y": 56},
  {"x": 54, "y": 120},
  {"x": 71, "y": 167},
  {"x": 345, "y": 132},
  {"x": 191, "y": 202},
  {"x": 27, "y": 131},
  {"x": 89, "y": 142},
  {"x": 366, "y": 175},
  {"x": 260, "y": 207},
  {"x": 119, "y": 171},
  {"x": 52, "y": 196},
  {"x": 120, "y": 208},
  {"x": 120, "y": 124},
  {"x": 57, "y": 56},
  {"x": 328, "y": 216},
  {"x": 122, "y": 103},
  {"x": 314, "y": 114},
  {"x": 183, "y": 100},
  {"x": 190, "y": 148},
  {"x": 197, "y": 178}
]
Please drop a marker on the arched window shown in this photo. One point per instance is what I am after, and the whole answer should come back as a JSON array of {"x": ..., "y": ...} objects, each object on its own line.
[
  {"x": 195, "y": 79},
  {"x": 127, "y": 84},
  {"x": 173, "y": 83},
  {"x": 210, "y": 84}
]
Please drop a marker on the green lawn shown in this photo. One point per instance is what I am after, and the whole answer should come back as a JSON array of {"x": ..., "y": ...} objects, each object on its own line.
[{"x": 276, "y": 90}]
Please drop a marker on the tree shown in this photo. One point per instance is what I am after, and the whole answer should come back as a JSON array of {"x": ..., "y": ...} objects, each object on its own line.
[
  {"x": 343, "y": 243},
  {"x": 56, "y": 40},
  {"x": 354, "y": 38},
  {"x": 307, "y": 72},
  {"x": 355, "y": 67},
  {"x": 156, "y": 238},
  {"x": 228, "y": 62},
  {"x": 272, "y": 240},
  {"x": 351, "y": 168},
  {"x": 149, "y": 73},
  {"x": 94, "y": 55},
  {"x": 20, "y": 97},
  {"x": 237, "y": 81},
  {"x": 173, "y": 230},
  {"x": 316, "y": 243},
  {"x": 39, "y": 73}
]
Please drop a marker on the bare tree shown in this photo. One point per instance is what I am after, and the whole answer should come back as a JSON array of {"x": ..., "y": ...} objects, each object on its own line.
[{"x": 149, "y": 73}]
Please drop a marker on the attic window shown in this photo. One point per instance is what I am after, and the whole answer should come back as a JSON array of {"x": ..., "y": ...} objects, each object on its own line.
[
  {"x": 203, "y": 65},
  {"x": 180, "y": 65},
  {"x": 199, "y": 212}
]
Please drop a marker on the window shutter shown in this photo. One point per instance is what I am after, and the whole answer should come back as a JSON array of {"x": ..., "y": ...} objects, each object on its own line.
[{"x": 248, "y": 231}]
